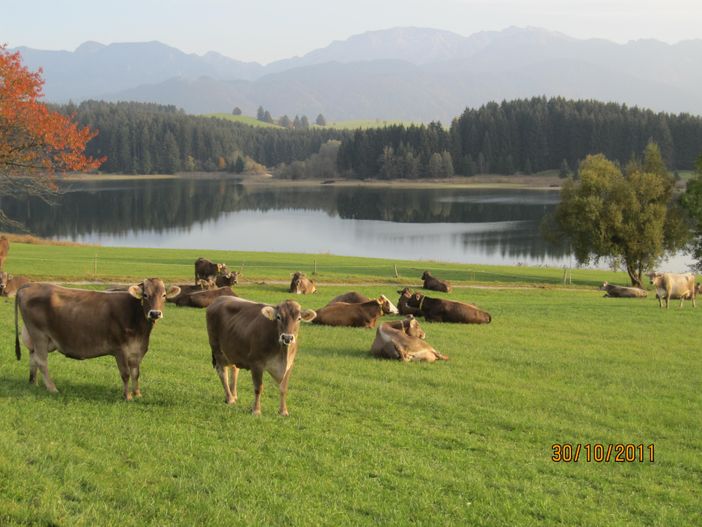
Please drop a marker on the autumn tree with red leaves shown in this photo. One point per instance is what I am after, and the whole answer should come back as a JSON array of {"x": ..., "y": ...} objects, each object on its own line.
[{"x": 35, "y": 142}]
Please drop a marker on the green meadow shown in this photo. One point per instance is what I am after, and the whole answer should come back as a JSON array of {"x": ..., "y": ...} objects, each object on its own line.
[{"x": 368, "y": 442}]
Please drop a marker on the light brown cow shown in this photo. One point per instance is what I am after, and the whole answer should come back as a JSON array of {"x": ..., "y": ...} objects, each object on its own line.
[
  {"x": 256, "y": 337},
  {"x": 352, "y": 315},
  {"x": 619, "y": 291},
  {"x": 440, "y": 310},
  {"x": 358, "y": 298},
  {"x": 673, "y": 286},
  {"x": 203, "y": 298},
  {"x": 301, "y": 285},
  {"x": 395, "y": 343},
  {"x": 4, "y": 249},
  {"x": 86, "y": 324},
  {"x": 10, "y": 284},
  {"x": 409, "y": 325},
  {"x": 434, "y": 284},
  {"x": 402, "y": 307}
]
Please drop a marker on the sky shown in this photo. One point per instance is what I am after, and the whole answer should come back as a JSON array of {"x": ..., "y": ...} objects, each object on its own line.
[{"x": 268, "y": 30}]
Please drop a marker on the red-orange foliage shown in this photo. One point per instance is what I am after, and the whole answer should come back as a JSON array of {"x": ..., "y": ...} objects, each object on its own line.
[{"x": 35, "y": 141}]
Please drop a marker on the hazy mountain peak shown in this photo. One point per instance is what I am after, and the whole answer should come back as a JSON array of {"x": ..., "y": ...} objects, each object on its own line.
[{"x": 89, "y": 46}]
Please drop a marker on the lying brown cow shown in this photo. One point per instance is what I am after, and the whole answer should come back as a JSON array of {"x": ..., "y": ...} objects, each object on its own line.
[
  {"x": 357, "y": 298},
  {"x": 208, "y": 270},
  {"x": 4, "y": 249},
  {"x": 409, "y": 325},
  {"x": 363, "y": 315},
  {"x": 618, "y": 291},
  {"x": 203, "y": 298},
  {"x": 434, "y": 284},
  {"x": 396, "y": 343},
  {"x": 673, "y": 286},
  {"x": 186, "y": 289},
  {"x": 10, "y": 284},
  {"x": 256, "y": 337},
  {"x": 440, "y": 310},
  {"x": 300, "y": 284},
  {"x": 227, "y": 280},
  {"x": 86, "y": 324},
  {"x": 402, "y": 307}
]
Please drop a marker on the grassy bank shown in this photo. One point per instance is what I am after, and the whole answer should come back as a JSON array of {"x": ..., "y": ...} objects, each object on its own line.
[{"x": 466, "y": 442}]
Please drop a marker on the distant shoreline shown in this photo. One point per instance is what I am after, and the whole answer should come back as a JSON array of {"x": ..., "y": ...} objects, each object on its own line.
[{"x": 537, "y": 182}]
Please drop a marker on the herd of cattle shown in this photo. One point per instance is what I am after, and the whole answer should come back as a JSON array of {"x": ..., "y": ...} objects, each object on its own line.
[{"x": 242, "y": 333}]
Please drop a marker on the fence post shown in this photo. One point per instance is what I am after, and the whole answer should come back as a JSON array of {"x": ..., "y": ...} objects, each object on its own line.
[
  {"x": 315, "y": 267},
  {"x": 397, "y": 275},
  {"x": 95, "y": 266}
]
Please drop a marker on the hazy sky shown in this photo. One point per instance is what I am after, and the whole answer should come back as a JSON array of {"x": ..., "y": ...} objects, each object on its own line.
[{"x": 267, "y": 30}]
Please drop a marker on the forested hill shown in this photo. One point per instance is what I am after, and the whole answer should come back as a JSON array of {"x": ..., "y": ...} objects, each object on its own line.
[
  {"x": 144, "y": 138},
  {"x": 526, "y": 135}
]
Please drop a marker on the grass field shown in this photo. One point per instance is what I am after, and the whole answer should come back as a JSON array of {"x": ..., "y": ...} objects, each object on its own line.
[
  {"x": 368, "y": 442},
  {"x": 340, "y": 125}
]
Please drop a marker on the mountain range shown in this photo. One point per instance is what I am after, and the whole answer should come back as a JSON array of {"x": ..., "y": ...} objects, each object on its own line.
[{"x": 403, "y": 73}]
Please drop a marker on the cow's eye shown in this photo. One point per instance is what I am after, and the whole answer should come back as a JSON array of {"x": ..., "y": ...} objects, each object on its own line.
[{"x": 278, "y": 317}]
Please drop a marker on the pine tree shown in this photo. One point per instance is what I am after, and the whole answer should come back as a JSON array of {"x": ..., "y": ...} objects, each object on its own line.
[{"x": 320, "y": 121}]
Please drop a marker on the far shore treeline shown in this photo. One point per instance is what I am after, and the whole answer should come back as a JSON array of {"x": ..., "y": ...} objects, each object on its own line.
[{"x": 521, "y": 136}]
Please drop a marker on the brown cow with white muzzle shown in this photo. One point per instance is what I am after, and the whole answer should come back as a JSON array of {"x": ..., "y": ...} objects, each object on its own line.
[
  {"x": 358, "y": 298},
  {"x": 10, "y": 284},
  {"x": 256, "y": 337},
  {"x": 301, "y": 285},
  {"x": 440, "y": 310},
  {"x": 434, "y": 284},
  {"x": 363, "y": 315},
  {"x": 673, "y": 286},
  {"x": 86, "y": 324},
  {"x": 403, "y": 343}
]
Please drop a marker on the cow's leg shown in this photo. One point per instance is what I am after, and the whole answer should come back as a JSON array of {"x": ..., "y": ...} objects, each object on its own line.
[
  {"x": 257, "y": 376},
  {"x": 134, "y": 374},
  {"x": 235, "y": 380},
  {"x": 41, "y": 360},
  {"x": 124, "y": 374},
  {"x": 223, "y": 372},
  {"x": 32, "y": 368},
  {"x": 283, "y": 386}
]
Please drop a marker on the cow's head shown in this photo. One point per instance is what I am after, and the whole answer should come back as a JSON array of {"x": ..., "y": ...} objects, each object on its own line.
[
  {"x": 415, "y": 300},
  {"x": 230, "y": 279},
  {"x": 655, "y": 278},
  {"x": 603, "y": 287},
  {"x": 222, "y": 269},
  {"x": 388, "y": 307},
  {"x": 287, "y": 316},
  {"x": 152, "y": 293},
  {"x": 425, "y": 275},
  {"x": 410, "y": 326},
  {"x": 4, "y": 277}
]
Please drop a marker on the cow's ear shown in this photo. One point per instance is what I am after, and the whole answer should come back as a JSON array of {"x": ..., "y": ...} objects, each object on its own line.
[
  {"x": 269, "y": 312},
  {"x": 173, "y": 291},
  {"x": 308, "y": 315},
  {"x": 136, "y": 291}
]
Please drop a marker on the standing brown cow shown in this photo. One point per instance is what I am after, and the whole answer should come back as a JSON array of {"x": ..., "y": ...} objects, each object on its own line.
[
  {"x": 300, "y": 284},
  {"x": 440, "y": 310},
  {"x": 86, "y": 324},
  {"x": 10, "y": 284},
  {"x": 434, "y": 284},
  {"x": 207, "y": 270},
  {"x": 256, "y": 337},
  {"x": 4, "y": 249}
]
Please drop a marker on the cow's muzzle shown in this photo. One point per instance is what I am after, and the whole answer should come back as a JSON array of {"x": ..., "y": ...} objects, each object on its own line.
[
  {"x": 155, "y": 314},
  {"x": 286, "y": 339}
]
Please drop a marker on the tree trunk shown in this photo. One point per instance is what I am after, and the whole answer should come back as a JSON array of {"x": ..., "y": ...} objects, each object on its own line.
[{"x": 634, "y": 275}]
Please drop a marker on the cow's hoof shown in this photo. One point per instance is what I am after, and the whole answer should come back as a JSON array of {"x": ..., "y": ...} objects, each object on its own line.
[
  {"x": 284, "y": 413},
  {"x": 256, "y": 412},
  {"x": 137, "y": 394},
  {"x": 128, "y": 397},
  {"x": 230, "y": 401}
]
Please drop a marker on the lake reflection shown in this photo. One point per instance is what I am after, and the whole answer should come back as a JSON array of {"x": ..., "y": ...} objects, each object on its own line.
[{"x": 460, "y": 225}]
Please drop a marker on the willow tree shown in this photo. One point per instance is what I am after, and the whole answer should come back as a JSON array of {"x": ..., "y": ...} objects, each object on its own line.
[
  {"x": 627, "y": 217},
  {"x": 692, "y": 201}
]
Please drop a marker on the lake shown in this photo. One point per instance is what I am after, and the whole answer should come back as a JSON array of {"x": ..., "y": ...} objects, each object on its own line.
[{"x": 486, "y": 226}]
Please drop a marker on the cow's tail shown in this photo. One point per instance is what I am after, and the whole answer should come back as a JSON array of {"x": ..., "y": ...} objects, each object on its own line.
[{"x": 18, "y": 349}]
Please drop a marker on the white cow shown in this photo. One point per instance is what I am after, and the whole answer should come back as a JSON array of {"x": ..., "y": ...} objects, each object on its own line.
[{"x": 671, "y": 285}]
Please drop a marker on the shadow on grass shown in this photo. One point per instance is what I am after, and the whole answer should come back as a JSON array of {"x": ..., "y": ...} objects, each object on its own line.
[{"x": 12, "y": 386}]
